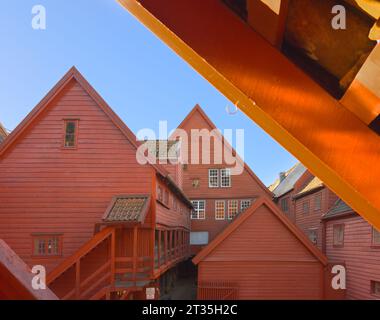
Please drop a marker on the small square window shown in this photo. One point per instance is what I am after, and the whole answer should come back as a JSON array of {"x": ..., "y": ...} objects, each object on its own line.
[
  {"x": 220, "y": 210},
  {"x": 338, "y": 235},
  {"x": 245, "y": 204},
  {"x": 225, "y": 176},
  {"x": 318, "y": 202},
  {"x": 285, "y": 204},
  {"x": 232, "y": 208},
  {"x": 199, "y": 209},
  {"x": 47, "y": 245},
  {"x": 375, "y": 288},
  {"x": 375, "y": 237},
  {"x": 305, "y": 207},
  {"x": 213, "y": 178},
  {"x": 71, "y": 130}
]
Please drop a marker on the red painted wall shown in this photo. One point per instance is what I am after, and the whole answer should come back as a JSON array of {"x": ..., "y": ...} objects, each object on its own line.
[
  {"x": 312, "y": 219},
  {"x": 243, "y": 186},
  {"x": 361, "y": 258},
  {"x": 265, "y": 261}
]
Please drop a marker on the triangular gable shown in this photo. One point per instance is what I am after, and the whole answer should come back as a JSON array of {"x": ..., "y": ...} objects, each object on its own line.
[
  {"x": 198, "y": 109},
  {"x": 304, "y": 240},
  {"x": 73, "y": 73}
]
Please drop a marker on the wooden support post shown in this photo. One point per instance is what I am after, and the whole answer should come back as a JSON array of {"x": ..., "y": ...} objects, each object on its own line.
[
  {"x": 113, "y": 253},
  {"x": 134, "y": 263},
  {"x": 77, "y": 280},
  {"x": 159, "y": 249},
  {"x": 166, "y": 245}
]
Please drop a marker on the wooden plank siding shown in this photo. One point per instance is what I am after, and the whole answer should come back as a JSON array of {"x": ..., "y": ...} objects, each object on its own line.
[
  {"x": 243, "y": 186},
  {"x": 312, "y": 219},
  {"x": 265, "y": 258},
  {"x": 361, "y": 258}
]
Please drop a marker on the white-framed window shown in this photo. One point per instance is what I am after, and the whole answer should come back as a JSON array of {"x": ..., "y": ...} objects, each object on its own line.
[
  {"x": 199, "y": 211},
  {"x": 225, "y": 178},
  {"x": 245, "y": 204},
  {"x": 213, "y": 178},
  {"x": 232, "y": 208},
  {"x": 220, "y": 209}
]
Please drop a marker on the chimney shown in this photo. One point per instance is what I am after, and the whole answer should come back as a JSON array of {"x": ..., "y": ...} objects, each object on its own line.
[{"x": 282, "y": 176}]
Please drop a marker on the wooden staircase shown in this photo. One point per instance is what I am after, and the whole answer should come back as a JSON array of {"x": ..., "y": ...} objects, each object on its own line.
[{"x": 88, "y": 274}]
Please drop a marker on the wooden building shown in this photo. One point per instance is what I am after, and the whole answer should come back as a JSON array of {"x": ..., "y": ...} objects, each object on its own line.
[
  {"x": 311, "y": 203},
  {"x": 261, "y": 255},
  {"x": 217, "y": 195},
  {"x": 352, "y": 240},
  {"x": 75, "y": 199}
]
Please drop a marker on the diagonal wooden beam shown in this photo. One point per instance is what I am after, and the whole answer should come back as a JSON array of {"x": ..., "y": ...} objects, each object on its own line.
[{"x": 330, "y": 140}]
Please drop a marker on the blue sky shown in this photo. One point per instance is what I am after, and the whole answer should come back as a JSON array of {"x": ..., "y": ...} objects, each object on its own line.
[{"x": 138, "y": 75}]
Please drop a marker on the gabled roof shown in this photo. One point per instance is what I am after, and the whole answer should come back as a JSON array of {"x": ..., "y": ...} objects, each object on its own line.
[
  {"x": 245, "y": 215},
  {"x": 314, "y": 185},
  {"x": 339, "y": 209},
  {"x": 290, "y": 180},
  {"x": 73, "y": 73},
  {"x": 198, "y": 109},
  {"x": 127, "y": 208}
]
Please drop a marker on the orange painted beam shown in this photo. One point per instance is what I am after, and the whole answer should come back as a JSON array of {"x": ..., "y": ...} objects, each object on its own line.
[{"x": 330, "y": 140}]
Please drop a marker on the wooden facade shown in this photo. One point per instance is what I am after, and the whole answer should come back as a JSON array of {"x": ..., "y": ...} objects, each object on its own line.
[
  {"x": 261, "y": 255},
  {"x": 245, "y": 186},
  {"x": 55, "y": 191},
  {"x": 359, "y": 250}
]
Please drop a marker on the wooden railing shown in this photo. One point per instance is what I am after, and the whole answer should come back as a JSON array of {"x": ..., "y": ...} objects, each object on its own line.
[{"x": 69, "y": 281}]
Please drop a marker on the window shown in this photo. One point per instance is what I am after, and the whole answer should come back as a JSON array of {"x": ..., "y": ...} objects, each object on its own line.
[
  {"x": 375, "y": 237},
  {"x": 338, "y": 235},
  {"x": 71, "y": 128},
  {"x": 166, "y": 197},
  {"x": 199, "y": 238},
  {"x": 220, "y": 210},
  {"x": 284, "y": 204},
  {"x": 318, "y": 202},
  {"x": 232, "y": 208},
  {"x": 47, "y": 245},
  {"x": 225, "y": 177},
  {"x": 199, "y": 211},
  {"x": 305, "y": 207},
  {"x": 313, "y": 235},
  {"x": 213, "y": 178},
  {"x": 159, "y": 194},
  {"x": 245, "y": 204},
  {"x": 195, "y": 183},
  {"x": 375, "y": 287}
]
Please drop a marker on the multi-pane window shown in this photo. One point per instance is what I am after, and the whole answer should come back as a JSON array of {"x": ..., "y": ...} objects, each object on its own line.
[
  {"x": 71, "y": 129},
  {"x": 213, "y": 178},
  {"x": 285, "y": 204},
  {"x": 47, "y": 245},
  {"x": 225, "y": 178},
  {"x": 220, "y": 209},
  {"x": 375, "y": 287},
  {"x": 313, "y": 235},
  {"x": 305, "y": 207},
  {"x": 338, "y": 235},
  {"x": 199, "y": 209},
  {"x": 375, "y": 237},
  {"x": 245, "y": 204},
  {"x": 318, "y": 202},
  {"x": 232, "y": 208}
]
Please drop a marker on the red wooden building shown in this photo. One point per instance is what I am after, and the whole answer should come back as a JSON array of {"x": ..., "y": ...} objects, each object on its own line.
[
  {"x": 217, "y": 195},
  {"x": 349, "y": 238},
  {"x": 75, "y": 200},
  {"x": 261, "y": 255}
]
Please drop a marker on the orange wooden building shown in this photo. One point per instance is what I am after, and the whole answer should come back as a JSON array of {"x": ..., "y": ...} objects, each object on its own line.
[
  {"x": 217, "y": 195},
  {"x": 262, "y": 255},
  {"x": 75, "y": 200}
]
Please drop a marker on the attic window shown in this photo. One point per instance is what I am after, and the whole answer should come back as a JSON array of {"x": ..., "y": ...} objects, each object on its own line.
[{"x": 71, "y": 133}]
